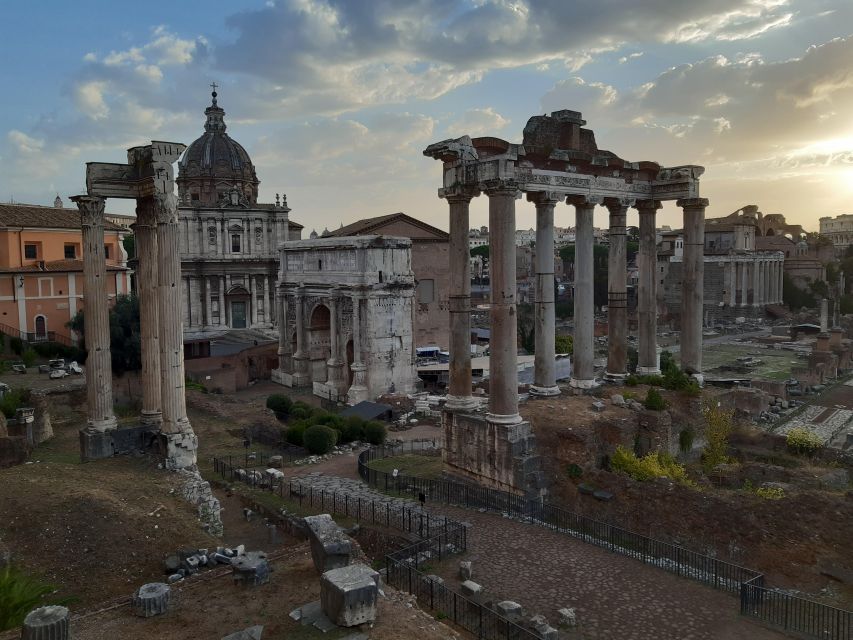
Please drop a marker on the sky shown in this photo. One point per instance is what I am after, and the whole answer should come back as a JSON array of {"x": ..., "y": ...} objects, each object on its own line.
[{"x": 335, "y": 100}]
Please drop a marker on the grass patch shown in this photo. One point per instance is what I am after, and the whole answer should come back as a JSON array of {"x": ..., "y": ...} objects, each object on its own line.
[{"x": 429, "y": 467}]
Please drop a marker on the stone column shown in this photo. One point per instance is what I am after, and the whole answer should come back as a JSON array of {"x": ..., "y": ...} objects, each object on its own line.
[
  {"x": 334, "y": 365},
  {"x": 617, "y": 291},
  {"x": 744, "y": 284},
  {"x": 208, "y": 296},
  {"x": 145, "y": 231},
  {"x": 253, "y": 295},
  {"x": 268, "y": 312},
  {"x": 99, "y": 368},
  {"x": 301, "y": 375},
  {"x": 824, "y": 315},
  {"x": 755, "y": 284},
  {"x": 223, "y": 314},
  {"x": 358, "y": 390},
  {"x": 693, "y": 284},
  {"x": 503, "y": 344},
  {"x": 647, "y": 361},
  {"x": 283, "y": 330},
  {"x": 180, "y": 441},
  {"x": 583, "y": 373},
  {"x": 545, "y": 369},
  {"x": 459, "y": 396},
  {"x": 781, "y": 276}
]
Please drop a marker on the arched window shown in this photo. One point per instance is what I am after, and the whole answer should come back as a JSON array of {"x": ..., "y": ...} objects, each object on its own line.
[{"x": 41, "y": 327}]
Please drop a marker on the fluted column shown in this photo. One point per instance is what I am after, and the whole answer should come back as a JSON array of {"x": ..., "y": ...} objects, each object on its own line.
[
  {"x": 693, "y": 284},
  {"x": 301, "y": 375},
  {"x": 617, "y": 290},
  {"x": 545, "y": 368},
  {"x": 583, "y": 373},
  {"x": 459, "y": 396},
  {"x": 99, "y": 369},
  {"x": 253, "y": 295},
  {"x": 145, "y": 231},
  {"x": 358, "y": 390},
  {"x": 283, "y": 330},
  {"x": 334, "y": 365},
  {"x": 744, "y": 284},
  {"x": 732, "y": 283},
  {"x": 268, "y": 310},
  {"x": 223, "y": 313},
  {"x": 208, "y": 298},
  {"x": 503, "y": 343},
  {"x": 756, "y": 284},
  {"x": 647, "y": 356},
  {"x": 180, "y": 441}
]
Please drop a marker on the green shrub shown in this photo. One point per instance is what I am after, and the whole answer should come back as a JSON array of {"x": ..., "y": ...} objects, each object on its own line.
[
  {"x": 295, "y": 432},
  {"x": 632, "y": 381},
  {"x": 574, "y": 471},
  {"x": 650, "y": 466},
  {"x": 17, "y": 345},
  {"x": 353, "y": 429},
  {"x": 770, "y": 493},
  {"x": 12, "y": 400},
  {"x": 375, "y": 432},
  {"x": 719, "y": 426},
  {"x": 280, "y": 405},
  {"x": 195, "y": 386},
  {"x": 319, "y": 439},
  {"x": 29, "y": 357},
  {"x": 19, "y": 594},
  {"x": 685, "y": 439},
  {"x": 654, "y": 400},
  {"x": 803, "y": 441},
  {"x": 300, "y": 410}
]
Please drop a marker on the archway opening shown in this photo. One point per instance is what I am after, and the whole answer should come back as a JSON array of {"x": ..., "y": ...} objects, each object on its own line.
[
  {"x": 319, "y": 341},
  {"x": 41, "y": 328}
]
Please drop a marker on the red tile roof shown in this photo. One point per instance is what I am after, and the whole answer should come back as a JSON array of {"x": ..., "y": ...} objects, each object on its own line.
[
  {"x": 37, "y": 217},
  {"x": 56, "y": 266}
]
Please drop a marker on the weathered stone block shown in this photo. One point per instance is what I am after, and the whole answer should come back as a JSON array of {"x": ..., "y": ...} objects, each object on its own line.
[
  {"x": 472, "y": 590},
  {"x": 252, "y": 633},
  {"x": 568, "y": 617},
  {"x": 465, "y": 569},
  {"x": 47, "y": 623},
  {"x": 510, "y": 610},
  {"x": 251, "y": 570},
  {"x": 330, "y": 546},
  {"x": 348, "y": 594},
  {"x": 151, "y": 599}
]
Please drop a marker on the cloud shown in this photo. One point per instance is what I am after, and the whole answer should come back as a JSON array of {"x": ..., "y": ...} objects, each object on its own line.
[
  {"x": 478, "y": 122},
  {"x": 631, "y": 56},
  {"x": 90, "y": 100},
  {"x": 24, "y": 143}
]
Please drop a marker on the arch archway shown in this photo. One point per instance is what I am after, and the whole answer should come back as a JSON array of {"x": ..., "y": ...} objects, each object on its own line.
[
  {"x": 319, "y": 341},
  {"x": 770, "y": 232},
  {"x": 41, "y": 327}
]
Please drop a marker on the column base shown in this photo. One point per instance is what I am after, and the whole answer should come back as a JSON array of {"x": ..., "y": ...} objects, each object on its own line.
[
  {"x": 615, "y": 377},
  {"x": 536, "y": 390},
  {"x": 107, "y": 424},
  {"x": 500, "y": 418},
  {"x": 180, "y": 449},
  {"x": 648, "y": 371},
  {"x": 357, "y": 394},
  {"x": 577, "y": 383},
  {"x": 699, "y": 377},
  {"x": 461, "y": 403},
  {"x": 97, "y": 445},
  {"x": 151, "y": 419}
]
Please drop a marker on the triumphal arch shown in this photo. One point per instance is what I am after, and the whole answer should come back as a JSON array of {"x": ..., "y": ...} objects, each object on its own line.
[{"x": 558, "y": 160}]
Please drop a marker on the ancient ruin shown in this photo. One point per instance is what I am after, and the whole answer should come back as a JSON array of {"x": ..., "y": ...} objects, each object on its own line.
[
  {"x": 558, "y": 159},
  {"x": 346, "y": 309},
  {"x": 148, "y": 177}
]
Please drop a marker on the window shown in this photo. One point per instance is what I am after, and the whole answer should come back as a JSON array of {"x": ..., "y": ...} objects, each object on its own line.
[
  {"x": 194, "y": 197},
  {"x": 426, "y": 291},
  {"x": 70, "y": 251},
  {"x": 107, "y": 251},
  {"x": 235, "y": 243},
  {"x": 31, "y": 251}
]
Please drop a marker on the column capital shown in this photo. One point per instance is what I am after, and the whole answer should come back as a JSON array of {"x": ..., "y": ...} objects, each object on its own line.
[
  {"x": 458, "y": 194},
  {"x": 648, "y": 206},
  {"x": 584, "y": 200},
  {"x": 91, "y": 209},
  {"x": 692, "y": 203},
  {"x": 146, "y": 214},
  {"x": 544, "y": 198},
  {"x": 501, "y": 187},
  {"x": 619, "y": 203},
  {"x": 166, "y": 208}
]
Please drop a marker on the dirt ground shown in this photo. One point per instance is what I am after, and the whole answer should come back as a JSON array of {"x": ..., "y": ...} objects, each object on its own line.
[{"x": 791, "y": 540}]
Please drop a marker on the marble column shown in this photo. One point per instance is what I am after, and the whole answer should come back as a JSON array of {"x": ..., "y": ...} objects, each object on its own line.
[
  {"x": 781, "y": 276},
  {"x": 732, "y": 283},
  {"x": 503, "y": 343},
  {"x": 208, "y": 297},
  {"x": 756, "y": 284},
  {"x": 268, "y": 312},
  {"x": 693, "y": 284},
  {"x": 253, "y": 295},
  {"x": 617, "y": 291},
  {"x": 334, "y": 365},
  {"x": 145, "y": 231},
  {"x": 647, "y": 361},
  {"x": 583, "y": 372},
  {"x": 301, "y": 375},
  {"x": 283, "y": 330},
  {"x": 180, "y": 441},
  {"x": 99, "y": 368},
  {"x": 358, "y": 390},
  {"x": 459, "y": 396},
  {"x": 744, "y": 284},
  {"x": 223, "y": 314},
  {"x": 545, "y": 368}
]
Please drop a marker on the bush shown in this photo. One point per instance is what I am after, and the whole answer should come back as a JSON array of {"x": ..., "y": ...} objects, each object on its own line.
[
  {"x": 802, "y": 441},
  {"x": 319, "y": 439},
  {"x": 280, "y": 405},
  {"x": 574, "y": 471},
  {"x": 17, "y": 345},
  {"x": 650, "y": 466},
  {"x": 29, "y": 357},
  {"x": 770, "y": 493},
  {"x": 12, "y": 400},
  {"x": 375, "y": 432},
  {"x": 654, "y": 400},
  {"x": 194, "y": 386},
  {"x": 300, "y": 410},
  {"x": 719, "y": 427},
  {"x": 295, "y": 433},
  {"x": 353, "y": 429},
  {"x": 19, "y": 594},
  {"x": 632, "y": 381}
]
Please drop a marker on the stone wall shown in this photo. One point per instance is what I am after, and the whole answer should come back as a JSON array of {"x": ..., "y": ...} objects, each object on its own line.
[
  {"x": 234, "y": 372},
  {"x": 431, "y": 261}
]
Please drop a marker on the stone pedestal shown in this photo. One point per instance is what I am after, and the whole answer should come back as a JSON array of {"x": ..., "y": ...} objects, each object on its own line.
[
  {"x": 331, "y": 548},
  {"x": 151, "y": 599},
  {"x": 348, "y": 595},
  {"x": 47, "y": 623},
  {"x": 251, "y": 569},
  {"x": 545, "y": 368}
]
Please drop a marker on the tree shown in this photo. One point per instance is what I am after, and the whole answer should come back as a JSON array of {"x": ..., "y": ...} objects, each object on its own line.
[
  {"x": 564, "y": 344},
  {"x": 482, "y": 250},
  {"x": 795, "y": 297},
  {"x": 129, "y": 243},
  {"x": 125, "y": 336}
]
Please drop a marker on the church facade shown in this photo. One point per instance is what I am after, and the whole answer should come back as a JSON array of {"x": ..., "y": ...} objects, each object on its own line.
[{"x": 228, "y": 240}]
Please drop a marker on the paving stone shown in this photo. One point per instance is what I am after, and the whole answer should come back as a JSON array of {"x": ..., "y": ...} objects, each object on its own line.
[{"x": 252, "y": 633}]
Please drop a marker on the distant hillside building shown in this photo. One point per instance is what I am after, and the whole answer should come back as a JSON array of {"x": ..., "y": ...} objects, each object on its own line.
[
  {"x": 431, "y": 267},
  {"x": 839, "y": 230},
  {"x": 41, "y": 269}
]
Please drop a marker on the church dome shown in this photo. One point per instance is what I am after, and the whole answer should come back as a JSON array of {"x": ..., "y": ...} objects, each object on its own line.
[{"x": 216, "y": 170}]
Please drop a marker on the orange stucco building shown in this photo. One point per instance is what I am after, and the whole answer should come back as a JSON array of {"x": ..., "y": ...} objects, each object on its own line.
[{"x": 41, "y": 268}]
